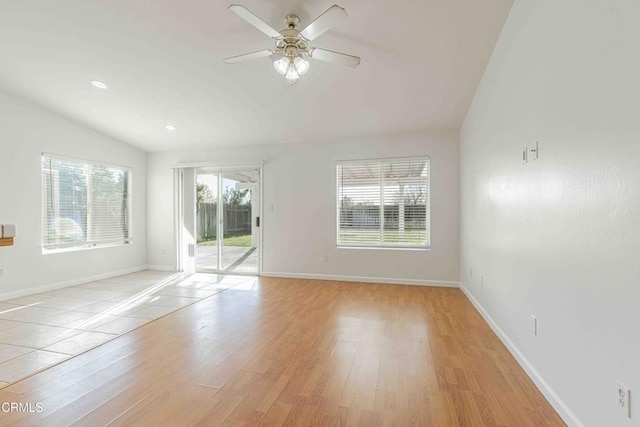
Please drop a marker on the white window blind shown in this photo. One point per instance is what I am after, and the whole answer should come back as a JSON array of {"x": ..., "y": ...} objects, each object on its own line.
[
  {"x": 383, "y": 203},
  {"x": 84, "y": 204}
]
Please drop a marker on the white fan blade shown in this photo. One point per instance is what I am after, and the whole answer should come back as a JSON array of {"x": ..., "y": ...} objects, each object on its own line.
[
  {"x": 248, "y": 56},
  {"x": 252, "y": 19},
  {"x": 334, "y": 57},
  {"x": 323, "y": 23}
]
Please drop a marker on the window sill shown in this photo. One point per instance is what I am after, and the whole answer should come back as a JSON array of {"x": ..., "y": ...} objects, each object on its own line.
[
  {"x": 388, "y": 248},
  {"x": 82, "y": 248}
]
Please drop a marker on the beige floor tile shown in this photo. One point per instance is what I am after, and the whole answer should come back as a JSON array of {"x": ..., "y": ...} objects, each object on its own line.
[
  {"x": 93, "y": 321},
  {"x": 142, "y": 282},
  {"x": 190, "y": 284},
  {"x": 98, "y": 284},
  {"x": 151, "y": 312},
  {"x": 64, "y": 319},
  {"x": 132, "y": 289},
  {"x": 120, "y": 326},
  {"x": 94, "y": 294},
  {"x": 126, "y": 307},
  {"x": 168, "y": 301},
  {"x": 97, "y": 307},
  {"x": 65, "y": 303},
  {"x": 122, "y": 297},
  {"x": 204, "y": 277},
  {"x": 184, "y": 292},
  {"x": 28, "y": 299},
  {"x": 5, "y": 325},
  {"x": 29, "y": 313},
  {"x": 218, "y": 287},
  {"x": 235, "y": 279},
  {"x": 41, "y": 339},
  {"x": 133, "y": 279},
  {"x": 130, "y": 307},
  {"x": 27, "y": 364},
  {"x": 79, "y": 343},
  {"x": 27, "y": 329},
  {"x": 4, "y": 307},
  {"x": 116, "y": 287},
  {"x": 69, "y": 292},
  {"x": 8, "y": 352}
]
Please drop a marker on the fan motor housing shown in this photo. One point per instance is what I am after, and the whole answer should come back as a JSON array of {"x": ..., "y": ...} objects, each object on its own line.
[{"x": 291, "y": 38}]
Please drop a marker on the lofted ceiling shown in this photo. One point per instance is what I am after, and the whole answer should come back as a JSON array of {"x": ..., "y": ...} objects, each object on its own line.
[{"x": 162, "y": 59}]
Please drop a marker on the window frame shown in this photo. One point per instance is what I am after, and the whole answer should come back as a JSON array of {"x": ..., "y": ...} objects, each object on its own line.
[
  {"x": 381, "y": 245},
  {"x": 85, "y": 245}
]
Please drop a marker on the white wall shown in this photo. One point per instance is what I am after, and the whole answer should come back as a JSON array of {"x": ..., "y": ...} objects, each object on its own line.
[
  {"x": 26, "y": 131},
  {"x": 559, "y": 237},
  {"x": 299, "y": 181}
]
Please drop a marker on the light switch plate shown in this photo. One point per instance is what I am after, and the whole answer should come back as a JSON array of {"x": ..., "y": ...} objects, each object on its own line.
[
  {"x": 623, "y": 399},
  {"x": 533, "y": 152},
  {"x": 534, "y": 325}
]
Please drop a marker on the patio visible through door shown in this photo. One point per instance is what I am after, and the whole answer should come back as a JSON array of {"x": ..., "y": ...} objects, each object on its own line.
[{"x": 227, "y": 220}]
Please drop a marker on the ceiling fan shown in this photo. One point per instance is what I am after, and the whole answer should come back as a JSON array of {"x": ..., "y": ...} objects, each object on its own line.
[{"x": 292, "y": 44}]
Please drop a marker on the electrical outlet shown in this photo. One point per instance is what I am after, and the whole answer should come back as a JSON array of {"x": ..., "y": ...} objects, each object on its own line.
[
  {"x": 325, "y": 258},
  {"x": 622, "y": 396},
  {"x": 534, "y": 325}
]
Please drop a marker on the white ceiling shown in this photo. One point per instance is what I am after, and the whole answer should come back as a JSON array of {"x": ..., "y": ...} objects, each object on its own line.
[{"x": 421, "y": 63}]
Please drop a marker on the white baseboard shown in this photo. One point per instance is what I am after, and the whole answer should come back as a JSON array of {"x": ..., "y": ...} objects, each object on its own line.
[
  {"x": 385, "y": 280},
  {"x": 563, "y": 410},
  {"x": 58, "y": 285},
  {"x": 160, "y": 267}
]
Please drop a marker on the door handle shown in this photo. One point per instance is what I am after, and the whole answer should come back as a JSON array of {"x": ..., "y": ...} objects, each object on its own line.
[{"x": 257, "y": 221}]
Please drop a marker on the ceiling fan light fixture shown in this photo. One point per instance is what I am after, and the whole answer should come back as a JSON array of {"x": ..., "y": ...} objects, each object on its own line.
[
  {"x": 302, "y": 66},
  {"x": 281, "y": 65},
  {"x": 292, "y": 45},
  {"x": 292, "y": 75}
]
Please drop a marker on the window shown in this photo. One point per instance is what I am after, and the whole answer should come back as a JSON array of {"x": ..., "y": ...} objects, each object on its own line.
[
  {"x": 383, "y": 203},
  {"x": 84, "y": 204}
]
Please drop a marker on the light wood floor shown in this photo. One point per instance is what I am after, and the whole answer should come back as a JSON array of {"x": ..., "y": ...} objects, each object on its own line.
[{"x": 295, "y": 352}]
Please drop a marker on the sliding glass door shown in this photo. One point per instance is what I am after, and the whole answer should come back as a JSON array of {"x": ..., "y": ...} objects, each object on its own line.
[
  {"x": 227, "y": 220},
  {"x": 239, "y": 249}
]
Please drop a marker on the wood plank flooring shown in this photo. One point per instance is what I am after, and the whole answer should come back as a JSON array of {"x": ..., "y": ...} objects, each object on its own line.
[{"x": 295, "y": 352}]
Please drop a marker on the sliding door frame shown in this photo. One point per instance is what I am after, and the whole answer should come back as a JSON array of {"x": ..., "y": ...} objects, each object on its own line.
[{"x": 186, "y": 257}]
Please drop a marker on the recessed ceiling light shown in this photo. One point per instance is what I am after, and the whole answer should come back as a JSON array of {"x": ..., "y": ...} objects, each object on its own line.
[
  {"x": 99, "y": 84},
  {"x": 170, "y": 127}
]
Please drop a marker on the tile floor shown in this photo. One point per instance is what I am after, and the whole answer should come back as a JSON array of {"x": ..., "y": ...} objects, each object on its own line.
[{"x": 40, "y": 330}]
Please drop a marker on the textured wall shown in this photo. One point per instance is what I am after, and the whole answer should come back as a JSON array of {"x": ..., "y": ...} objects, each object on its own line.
[
  {"x": 26, "y": 131},
  {"x": 559, "y": 237}
]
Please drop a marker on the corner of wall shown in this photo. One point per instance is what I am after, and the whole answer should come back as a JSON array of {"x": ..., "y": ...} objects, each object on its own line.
[{"x": 554, "y": 399}]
